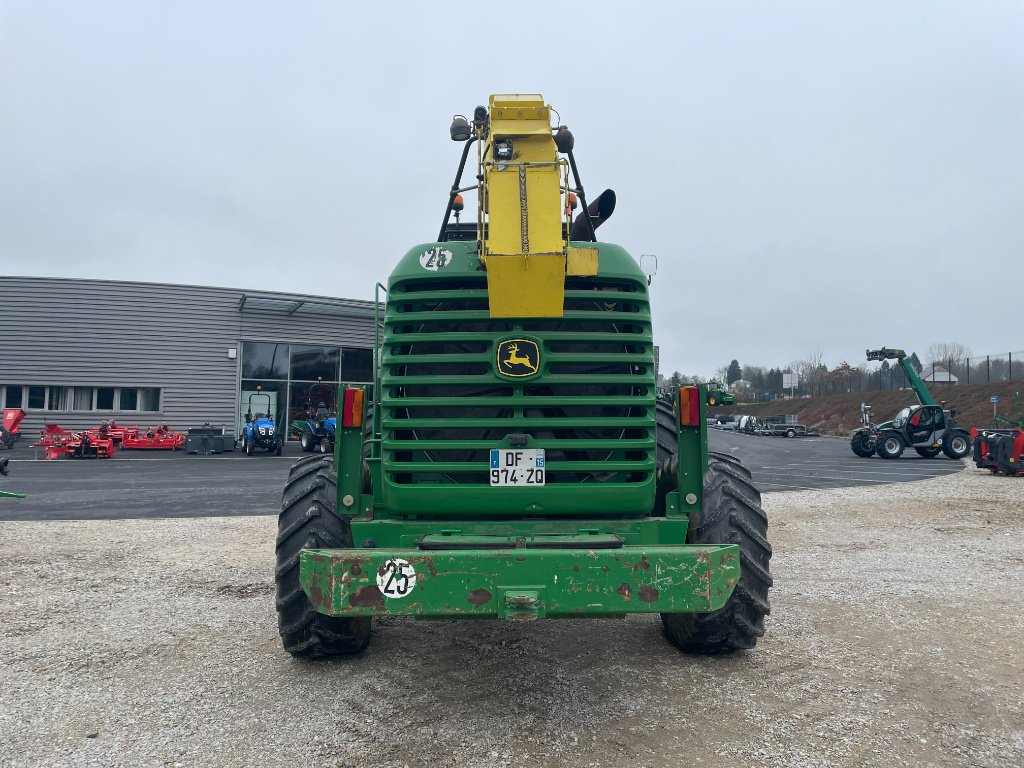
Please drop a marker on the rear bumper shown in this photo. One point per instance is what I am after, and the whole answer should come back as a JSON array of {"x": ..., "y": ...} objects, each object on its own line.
[{"x": 520, "y": 584}]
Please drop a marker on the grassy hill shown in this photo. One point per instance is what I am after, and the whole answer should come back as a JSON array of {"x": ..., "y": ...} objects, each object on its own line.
[{"x": 839, "y": 414}]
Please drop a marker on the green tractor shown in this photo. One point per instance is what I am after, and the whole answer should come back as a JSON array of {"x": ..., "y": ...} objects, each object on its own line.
[
  {"x": 714, "y": 394},
  {"x": 512, "y": 458}
]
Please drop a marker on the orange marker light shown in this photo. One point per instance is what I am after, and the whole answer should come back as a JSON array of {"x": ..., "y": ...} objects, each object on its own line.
[
  {"x": 689, "y": 406},
  {"x": 458, "y": 203},
  {"x": 352, "y": 408}
]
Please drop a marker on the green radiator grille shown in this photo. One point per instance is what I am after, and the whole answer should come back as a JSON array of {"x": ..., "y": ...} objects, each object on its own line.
[{"x": 590, "y": 406}]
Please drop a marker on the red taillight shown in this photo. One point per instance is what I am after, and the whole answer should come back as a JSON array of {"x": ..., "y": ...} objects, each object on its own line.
[
  {"x": 689, "y": 406},
  {"x": 352, "y": 408}
]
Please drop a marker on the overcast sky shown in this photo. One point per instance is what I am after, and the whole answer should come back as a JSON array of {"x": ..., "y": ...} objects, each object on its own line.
[{"x": 811, "y": 175}]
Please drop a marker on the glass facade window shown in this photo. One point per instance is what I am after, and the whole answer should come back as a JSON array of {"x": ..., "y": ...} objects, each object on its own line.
[
  {"x": 254, "y": 395},
  {"x": 37, "y": 398},
  {"x": 149, "y": 399},
  {"x": 12, "y": 399},
  {"x": 60, "y": 399},
  {"x": 83, "y": 399},
  {"x": 356, "y": 364},
  {"x": 303, "y": 400},
  {"x": 310, "y": 363},
  {"x": 291, "y": 370},
  {"x": 104, "y": 398},
  {"x": 129, "y": 400},
  {"x": 264, "y": 360}
]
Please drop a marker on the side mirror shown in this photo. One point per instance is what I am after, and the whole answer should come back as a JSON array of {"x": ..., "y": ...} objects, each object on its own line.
[{"x": 649, "y": 265}]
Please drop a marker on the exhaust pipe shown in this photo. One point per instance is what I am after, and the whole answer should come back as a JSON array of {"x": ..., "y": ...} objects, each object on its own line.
[{"x": 596, "y": 214}]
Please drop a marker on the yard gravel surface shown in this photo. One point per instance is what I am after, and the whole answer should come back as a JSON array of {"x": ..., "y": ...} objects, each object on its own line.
[{"x": 895, "y": 639}]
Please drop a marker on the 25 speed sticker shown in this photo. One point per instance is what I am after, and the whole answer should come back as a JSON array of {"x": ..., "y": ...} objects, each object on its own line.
[
  {"x": 396, "y": 578},
  {"x": 435, "y": 258}
]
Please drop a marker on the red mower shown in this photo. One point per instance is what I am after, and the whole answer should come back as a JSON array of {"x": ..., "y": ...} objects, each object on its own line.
[
  {"x": 999, "y": 450},
  {"x": 160, "y": 438}
]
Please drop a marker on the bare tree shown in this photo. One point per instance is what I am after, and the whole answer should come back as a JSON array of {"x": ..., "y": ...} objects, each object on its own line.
[
  {"x": 947, "y": 352},
  {"x": 811, "y": 370}
]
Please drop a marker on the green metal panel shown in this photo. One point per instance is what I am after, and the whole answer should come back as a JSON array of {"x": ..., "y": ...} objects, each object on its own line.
[
  {"x": 522, "y": 583},
  {"x": 402, "y": 534}
]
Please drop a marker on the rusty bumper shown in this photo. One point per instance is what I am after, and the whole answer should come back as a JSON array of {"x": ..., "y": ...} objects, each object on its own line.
[{"x": 520, "y": 584}]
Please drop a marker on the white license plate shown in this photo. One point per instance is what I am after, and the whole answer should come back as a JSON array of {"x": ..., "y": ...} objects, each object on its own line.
[{"x": 512, "y": 466}]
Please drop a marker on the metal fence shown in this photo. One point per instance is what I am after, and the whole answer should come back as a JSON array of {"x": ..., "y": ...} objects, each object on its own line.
[{"x": 1003, "y": 367}]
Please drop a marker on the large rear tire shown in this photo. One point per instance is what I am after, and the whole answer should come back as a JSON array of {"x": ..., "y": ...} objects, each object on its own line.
[
  {"x": 731, "y": 514},
  {"x": 956, "y": 444},
  {"x": 927, "y": 453},
  {"x": 309, "y": 520}
]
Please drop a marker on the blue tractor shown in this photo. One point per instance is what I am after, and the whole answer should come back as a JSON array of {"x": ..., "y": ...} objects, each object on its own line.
[
  {"x": 321, "y": 420},
  {"x": 260, "y": 430}
]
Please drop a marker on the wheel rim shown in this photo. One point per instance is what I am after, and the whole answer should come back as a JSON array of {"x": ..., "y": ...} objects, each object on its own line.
[
  {"x": 958, "y": 444},
  {"x": 891, "y": 445}
]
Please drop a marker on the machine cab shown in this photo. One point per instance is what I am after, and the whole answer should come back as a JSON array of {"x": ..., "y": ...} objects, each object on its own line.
[{"x": 924, "y": 424}]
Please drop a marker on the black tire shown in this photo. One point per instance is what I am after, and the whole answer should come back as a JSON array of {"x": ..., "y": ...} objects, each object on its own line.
[
  {"x": 889, "y": 445},
  {"x": 247, "y": 447},
  {"x": 956, "y": 444},
  {"x": 730, "y": 459},
  {"x": 731, "y": 514},
  {"x": 790, "y": 433},
  {"x": 326, "y": 447},
  {"x": 668, "y": 445},
  {"x": 309, "y": 519},
  {"x": 928, "y": 453},
  {"x": 712, "y": 400},
  {"x": 278, "y": 450},
  {"x": 859, "y": 445},
  {"x": 307, "y": 441}
]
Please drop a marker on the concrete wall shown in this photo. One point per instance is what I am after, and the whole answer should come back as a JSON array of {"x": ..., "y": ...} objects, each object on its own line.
[{"x": 70, "y": 332}]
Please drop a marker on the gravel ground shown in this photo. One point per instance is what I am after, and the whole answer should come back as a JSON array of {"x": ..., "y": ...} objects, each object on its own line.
[{"x": 895, "y": 639}]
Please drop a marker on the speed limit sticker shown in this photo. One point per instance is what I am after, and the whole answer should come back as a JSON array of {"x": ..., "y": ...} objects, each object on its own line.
[
  {"x": 396, "y": 578},
  {"x": 435, "y": 258}
]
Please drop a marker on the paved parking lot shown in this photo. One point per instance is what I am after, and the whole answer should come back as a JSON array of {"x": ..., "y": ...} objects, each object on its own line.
[
  {"x": 137, "y": 484},
  {"x": 808, "y": 463}
]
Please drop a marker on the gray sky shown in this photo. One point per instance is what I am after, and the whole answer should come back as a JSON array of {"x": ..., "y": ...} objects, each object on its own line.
[{"x": 811, "y": 175}]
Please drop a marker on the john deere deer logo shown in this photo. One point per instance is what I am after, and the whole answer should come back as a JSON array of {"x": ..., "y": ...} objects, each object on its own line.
[{"x": 518, "y": 358}]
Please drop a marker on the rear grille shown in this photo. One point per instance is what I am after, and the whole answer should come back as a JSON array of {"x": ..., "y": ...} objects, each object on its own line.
[{"x": 591, "y": 406}]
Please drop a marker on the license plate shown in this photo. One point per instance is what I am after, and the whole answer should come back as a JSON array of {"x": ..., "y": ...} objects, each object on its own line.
[{"x": 511, "y": 466}]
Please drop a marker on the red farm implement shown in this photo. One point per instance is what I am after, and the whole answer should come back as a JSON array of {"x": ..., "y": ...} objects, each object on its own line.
[
  {"x": 154, "y": 439},
  {"x": 9, "y": 433},
  {"x": 111, "y": 429},
  {"x": 999, "y": 450},
  {"x": 60, "y": 443}
]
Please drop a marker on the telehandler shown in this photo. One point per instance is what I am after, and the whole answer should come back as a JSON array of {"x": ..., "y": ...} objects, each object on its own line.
[{"x": 929, "y": 428}]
